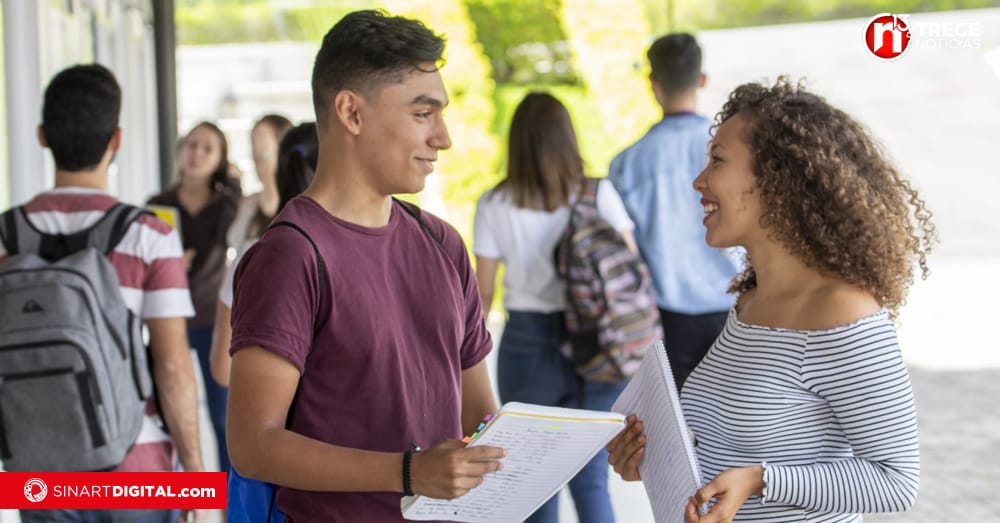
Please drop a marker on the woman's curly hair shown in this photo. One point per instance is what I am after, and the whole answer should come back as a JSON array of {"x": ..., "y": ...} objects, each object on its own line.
[{"x": 829, "y": 193}]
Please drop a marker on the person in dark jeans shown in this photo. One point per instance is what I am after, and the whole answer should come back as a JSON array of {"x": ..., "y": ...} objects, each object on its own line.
[{"x": 687, "y": 338}]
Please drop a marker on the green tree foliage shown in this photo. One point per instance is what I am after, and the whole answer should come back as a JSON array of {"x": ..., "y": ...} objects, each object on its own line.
[
  {"x": 609, "y": 41},
  {"x": 524, "y": 40},
  {"x": 201, "y": 22}
]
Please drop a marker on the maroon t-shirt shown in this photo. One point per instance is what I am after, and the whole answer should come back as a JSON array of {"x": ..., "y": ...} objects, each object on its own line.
[{"x": 384, "y": 370}]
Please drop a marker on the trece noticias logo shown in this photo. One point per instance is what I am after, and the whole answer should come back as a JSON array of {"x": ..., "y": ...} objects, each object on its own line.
[
  {"x": 35, "y": 490},
  {"x": 887, "y": 36}
]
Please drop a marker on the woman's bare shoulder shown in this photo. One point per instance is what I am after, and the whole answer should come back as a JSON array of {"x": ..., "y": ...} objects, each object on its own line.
[{"x": 836, "y": 304}]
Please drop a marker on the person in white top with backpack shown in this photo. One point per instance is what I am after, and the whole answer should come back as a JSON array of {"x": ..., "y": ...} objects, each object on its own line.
[{"x": 519, "y": 223}]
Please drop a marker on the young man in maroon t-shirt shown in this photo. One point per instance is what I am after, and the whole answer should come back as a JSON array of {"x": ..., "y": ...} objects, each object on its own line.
[{"x": 384, "y": 348}]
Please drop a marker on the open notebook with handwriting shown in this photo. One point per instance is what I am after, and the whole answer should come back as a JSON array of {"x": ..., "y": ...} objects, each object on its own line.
[
  {"x": 545, "y": 447},
  {"x": 669, "y": 470}
]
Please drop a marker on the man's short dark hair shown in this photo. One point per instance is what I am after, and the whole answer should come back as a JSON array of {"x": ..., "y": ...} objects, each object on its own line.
[
  {"x": 675, "y": 60},
  {"x": 366, "y": 50},
  {"x": 80, "y": 115}
]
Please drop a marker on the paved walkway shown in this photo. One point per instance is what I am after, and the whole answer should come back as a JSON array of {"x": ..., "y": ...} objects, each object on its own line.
[
  {"x": 959, "y": 447},
  {"x": 959, "y": 450}
]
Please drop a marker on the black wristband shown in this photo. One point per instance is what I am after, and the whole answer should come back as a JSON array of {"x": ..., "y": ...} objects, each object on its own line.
[{"x": 407, "y": 457}]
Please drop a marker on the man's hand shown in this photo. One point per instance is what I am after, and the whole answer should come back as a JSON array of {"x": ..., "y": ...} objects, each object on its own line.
[
  {"x": 450, "y": 469},
  {"x": 730, "y": 489},
  {"x": 627, "y": 449}
]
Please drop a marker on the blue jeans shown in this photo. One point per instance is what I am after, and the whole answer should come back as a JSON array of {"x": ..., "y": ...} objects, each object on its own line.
[
  {"x": 99, "y": 516},
  {"x": 216, "y": 395},
  {"x": 530, "y": 369}
]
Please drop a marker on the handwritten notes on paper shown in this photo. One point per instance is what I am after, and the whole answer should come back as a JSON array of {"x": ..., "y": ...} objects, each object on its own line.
[
  {"x": 545, "y": 447},
  {"x": 669, "y": 469}
]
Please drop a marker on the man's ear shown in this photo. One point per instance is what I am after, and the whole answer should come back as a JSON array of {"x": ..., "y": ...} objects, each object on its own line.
[
  {"x": 702, "y": 80},
  {"x": 657, "y": 91},
  {"x": 41, "y": 137},
  {"x": 347, "y": 109},
  {"x": 116, "y": 140}
]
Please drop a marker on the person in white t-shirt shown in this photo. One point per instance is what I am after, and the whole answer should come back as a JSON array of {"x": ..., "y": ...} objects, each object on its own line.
[{"x": 518, "y": 224}]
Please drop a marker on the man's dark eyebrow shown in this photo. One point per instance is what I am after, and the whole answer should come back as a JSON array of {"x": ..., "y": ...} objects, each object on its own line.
[{"x": 424, "y": 99}]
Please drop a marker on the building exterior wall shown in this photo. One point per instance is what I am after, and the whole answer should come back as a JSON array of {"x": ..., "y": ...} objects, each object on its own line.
[{"x": 42, "y": 38}]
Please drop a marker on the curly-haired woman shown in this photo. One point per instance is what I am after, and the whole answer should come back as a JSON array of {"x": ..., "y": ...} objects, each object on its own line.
[{"x": 803, "y": 405}]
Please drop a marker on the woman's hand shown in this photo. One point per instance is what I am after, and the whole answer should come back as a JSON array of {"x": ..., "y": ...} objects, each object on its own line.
[
  {"x": 626, "y": 450},
  {"x": 730, "y": 489}
]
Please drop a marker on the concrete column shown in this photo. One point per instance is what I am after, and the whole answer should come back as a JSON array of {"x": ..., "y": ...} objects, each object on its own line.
[
  {"x": 26, "y": 160},
  {"x": 166, "y": 86}
]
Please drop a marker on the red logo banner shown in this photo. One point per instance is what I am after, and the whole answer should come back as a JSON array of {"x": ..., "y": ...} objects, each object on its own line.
[{"x": 112, "y": 490}]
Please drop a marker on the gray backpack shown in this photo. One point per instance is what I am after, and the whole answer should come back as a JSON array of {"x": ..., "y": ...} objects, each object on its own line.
[{"x": 73, "y": 373}]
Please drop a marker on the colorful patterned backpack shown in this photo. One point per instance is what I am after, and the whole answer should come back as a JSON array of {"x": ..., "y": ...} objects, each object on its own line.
[{"x": 611, "y": 314}]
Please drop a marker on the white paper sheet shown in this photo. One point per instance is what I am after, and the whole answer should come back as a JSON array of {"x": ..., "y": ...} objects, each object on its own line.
[
  {"x": 545, "y": 446},
  {"x": 669, "y": 470}
]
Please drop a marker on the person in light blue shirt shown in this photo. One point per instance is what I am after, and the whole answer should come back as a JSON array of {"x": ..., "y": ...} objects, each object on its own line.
[{"x": 653, "y": 177}]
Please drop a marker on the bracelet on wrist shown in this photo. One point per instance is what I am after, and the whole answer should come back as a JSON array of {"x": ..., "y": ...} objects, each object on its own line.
[{"x": 407, "y": 486}]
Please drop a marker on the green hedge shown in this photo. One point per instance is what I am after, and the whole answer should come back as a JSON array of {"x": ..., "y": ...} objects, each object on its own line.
[
  {"x": 696, "y": 15},
  {"x": 246, "y": 21}
]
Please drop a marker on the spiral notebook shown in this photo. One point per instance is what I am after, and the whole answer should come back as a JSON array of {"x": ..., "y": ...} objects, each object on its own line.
[
  {"x": 669, "y": 470},
  {"x": 545, "y": 447}
]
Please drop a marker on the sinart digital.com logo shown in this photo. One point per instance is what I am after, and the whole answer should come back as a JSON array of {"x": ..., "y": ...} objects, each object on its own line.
[
  {"x": 887, "y": 36},
  {"x": 35, "y": 490}
]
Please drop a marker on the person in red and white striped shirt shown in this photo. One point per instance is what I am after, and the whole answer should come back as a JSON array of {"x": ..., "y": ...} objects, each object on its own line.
[{"x": 80, "y": 127}]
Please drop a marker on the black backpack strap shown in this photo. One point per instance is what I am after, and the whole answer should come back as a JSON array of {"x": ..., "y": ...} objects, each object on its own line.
[
  {"x": 414, "y": 211},
  {"x": 8, "y": 231},
  {"x": 321, "y": 279},
  {"x": 123, "y": 218},
  {"x": 109, "y": 230},
  {"x": 20, "y": 236},
  {"x": 320, "y": 267}
]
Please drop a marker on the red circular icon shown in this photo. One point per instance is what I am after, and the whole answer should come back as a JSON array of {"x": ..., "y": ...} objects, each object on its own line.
[
  {"x": 35, "y": 490},
  {"x": 887, "y": 36}
]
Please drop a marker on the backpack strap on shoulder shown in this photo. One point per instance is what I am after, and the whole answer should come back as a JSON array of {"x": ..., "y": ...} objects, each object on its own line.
[
  {"x": 8, "y": 231},
  {"x": 108, "y": 232},
  {"x": 320, "y": 266},
  {"x": 321, "y": 279},
  {"x": 414, "y": 211},
  {"x": 20, "y": 236},
  {"x": 588, "y": 192},
  {"x": 586, "y": 200}
]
